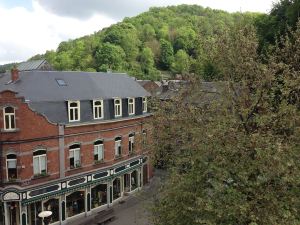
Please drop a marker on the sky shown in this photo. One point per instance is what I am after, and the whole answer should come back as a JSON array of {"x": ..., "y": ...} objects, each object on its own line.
[{"x": 30, "y": 27}]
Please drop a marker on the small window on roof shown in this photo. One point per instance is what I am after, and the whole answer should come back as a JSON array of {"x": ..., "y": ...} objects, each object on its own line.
[{"x": 61, "y": 82}]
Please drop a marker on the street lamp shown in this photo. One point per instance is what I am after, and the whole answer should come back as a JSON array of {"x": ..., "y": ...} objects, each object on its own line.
[{"x": 45, "y": 215}]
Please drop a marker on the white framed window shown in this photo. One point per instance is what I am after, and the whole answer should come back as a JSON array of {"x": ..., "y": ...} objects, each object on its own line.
[
  {"x": 11, "y": 167},
  {"x": 74, "y": 111},
  {"x": 131, "y": 143},
  {"x": 118, "y": 107},
  {"x": 118, "y": 146},
  {"x": 74, "y": 156},
  {"x": 9, "y": 118},
  {"x": 98, "y": 151},
  {"x": 131, "y": 106},
  {"x": 144, "y": 104},
  {"x": 39, "y": 162},
  {"x": 98, "y": 109}
]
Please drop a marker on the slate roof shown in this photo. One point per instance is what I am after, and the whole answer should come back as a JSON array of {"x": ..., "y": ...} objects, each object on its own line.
[
  {"x": 44, "y": 95},
  {"x": 30, "y": 65}
]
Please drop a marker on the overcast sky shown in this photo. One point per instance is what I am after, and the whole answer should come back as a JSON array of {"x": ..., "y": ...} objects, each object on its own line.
[{"x": 30, "y": 27}]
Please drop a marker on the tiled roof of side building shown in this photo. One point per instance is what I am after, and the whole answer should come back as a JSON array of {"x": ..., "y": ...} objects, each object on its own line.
[
  {"x": 30, "y": 65},
  {"x": 47, "y": 91}
]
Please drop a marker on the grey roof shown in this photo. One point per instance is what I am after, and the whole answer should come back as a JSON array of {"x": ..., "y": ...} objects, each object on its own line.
[
  {"x": 30, "y": 65},
  {"x": 41, "y": 86},
  {"x": 45, "y": 96}
]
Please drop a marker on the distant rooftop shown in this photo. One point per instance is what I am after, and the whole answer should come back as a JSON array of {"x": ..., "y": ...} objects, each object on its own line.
[{"x": 41, "y": 64}]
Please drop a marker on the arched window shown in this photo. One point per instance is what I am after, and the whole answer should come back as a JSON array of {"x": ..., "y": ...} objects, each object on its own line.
[
  {"x": 9, "y": 118},
  {"x": 98, "y": 151},
  {"x": 131, "y": 107},
  {"x": 11, "y": 166},
  {"x": 74, "y": 110},
  {"x": 131, "y": 143},
  {"x": 74, "y": 155},
  {"x": 118, "y": 107},
  {"x": 118, "y": 146},
  {"x": 40, "y": 162},
  {"x": 98, "y": 109}
]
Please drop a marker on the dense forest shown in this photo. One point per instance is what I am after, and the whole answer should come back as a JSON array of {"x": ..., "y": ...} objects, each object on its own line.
[{"x": 167, "y": 41}]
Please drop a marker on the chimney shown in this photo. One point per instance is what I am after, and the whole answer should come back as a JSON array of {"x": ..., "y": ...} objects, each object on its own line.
[{"x": 14, "y": 74}]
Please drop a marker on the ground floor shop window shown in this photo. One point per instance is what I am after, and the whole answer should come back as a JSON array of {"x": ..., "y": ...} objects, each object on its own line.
[
  {"x": 33, "y": 211},
  {"x": 117, "y": 188},
  {"x": 134, "y": 180},
  {"x": 53, "y": 206},
  {"x": 127, "y": 182},
  {"x": 75, "y": 203},
  {"x": 2, "y": 214},
  {"x": 99, "y": 195}
]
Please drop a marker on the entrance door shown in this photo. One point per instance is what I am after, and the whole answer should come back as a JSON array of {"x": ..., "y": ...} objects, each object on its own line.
[{"x": 13, "y": 213}]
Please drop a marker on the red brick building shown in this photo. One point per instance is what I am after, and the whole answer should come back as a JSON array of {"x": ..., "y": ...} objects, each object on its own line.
[{"x": 70, "y": 142}]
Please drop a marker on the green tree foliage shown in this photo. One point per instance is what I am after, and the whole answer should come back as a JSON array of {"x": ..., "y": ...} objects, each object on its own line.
[
  {"x": 178, "y": 26},
  {"x": 110, "y": 57},
  {"x": 166, "y": 55},
  {"x": 234, "y": 160},
  {"x": 181, "y": 62},
  {"x": 283, "y": 16}
]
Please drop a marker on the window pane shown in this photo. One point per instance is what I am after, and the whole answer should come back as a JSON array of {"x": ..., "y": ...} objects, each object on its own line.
[
  {"x": 73, "y": 104},
  {"x": 36, "y": 165},
  {"x": 12, "y": 164},
  {"x": 76, "y": 114},
  {"x": 71, "y": 154},
  {"x": 43, "y": 163},
  {"x": 9, "y": 110},
  {"x": 7, "y": 122},
  {"x": 100, "y": 156}
]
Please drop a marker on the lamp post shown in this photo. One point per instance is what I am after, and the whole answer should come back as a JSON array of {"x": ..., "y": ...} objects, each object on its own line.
[{"x": 45, "y": 215}]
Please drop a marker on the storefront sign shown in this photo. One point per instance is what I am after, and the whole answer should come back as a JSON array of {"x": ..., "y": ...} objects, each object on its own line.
[{"x": 11, "y": 196}]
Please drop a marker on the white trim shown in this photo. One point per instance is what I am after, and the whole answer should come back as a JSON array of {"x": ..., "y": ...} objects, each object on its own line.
[
  {"x": 97, "y": 146},
  {"x": 144, "y": 104},
  {"x": 100, "y": 111},
  {"x": 131, "y": 144},
  {"x": 75, "y": 150},
  {"x": 118, "y": 144},
  {"x": 7, "y": 178},
  {"x": 118, "y": 112},
  {"x": 10, "y": 128},
  {"x": 131, "y": 105},
  {"x": 74, "y": 108}
]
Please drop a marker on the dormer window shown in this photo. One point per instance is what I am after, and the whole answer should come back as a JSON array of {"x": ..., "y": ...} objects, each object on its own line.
[
  {"x": 74, "y": 111},
  {"x": 9, "y": 118},
  {"x": 98, "y": 109},
  {"x": 144, "y": 104},
  {"x": 118, "y": 107},
  {"x": 131, "y": 108}
]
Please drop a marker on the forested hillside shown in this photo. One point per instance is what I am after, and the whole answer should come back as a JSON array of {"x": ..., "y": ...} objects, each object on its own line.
[
  {"x": 161, "y": 41},
  {"x": 167, "y": 41}
]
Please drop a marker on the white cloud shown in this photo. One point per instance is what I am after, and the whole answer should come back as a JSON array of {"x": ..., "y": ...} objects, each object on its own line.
[{"x": 25, "y": 33}]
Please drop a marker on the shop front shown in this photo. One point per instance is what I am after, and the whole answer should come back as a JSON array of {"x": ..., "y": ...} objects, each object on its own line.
[
  {"x": 2, "y": 214},
  {"x": 68, "y": 199},
  {"x": 75, "y": 203},
  {"x": 99, "y": 196}
]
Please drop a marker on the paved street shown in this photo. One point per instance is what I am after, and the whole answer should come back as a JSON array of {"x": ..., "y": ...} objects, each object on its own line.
[{"x": 135, "y": 209}]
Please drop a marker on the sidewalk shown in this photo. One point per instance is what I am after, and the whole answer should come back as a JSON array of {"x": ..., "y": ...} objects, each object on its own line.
[{"x": 135, "y": 209}]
